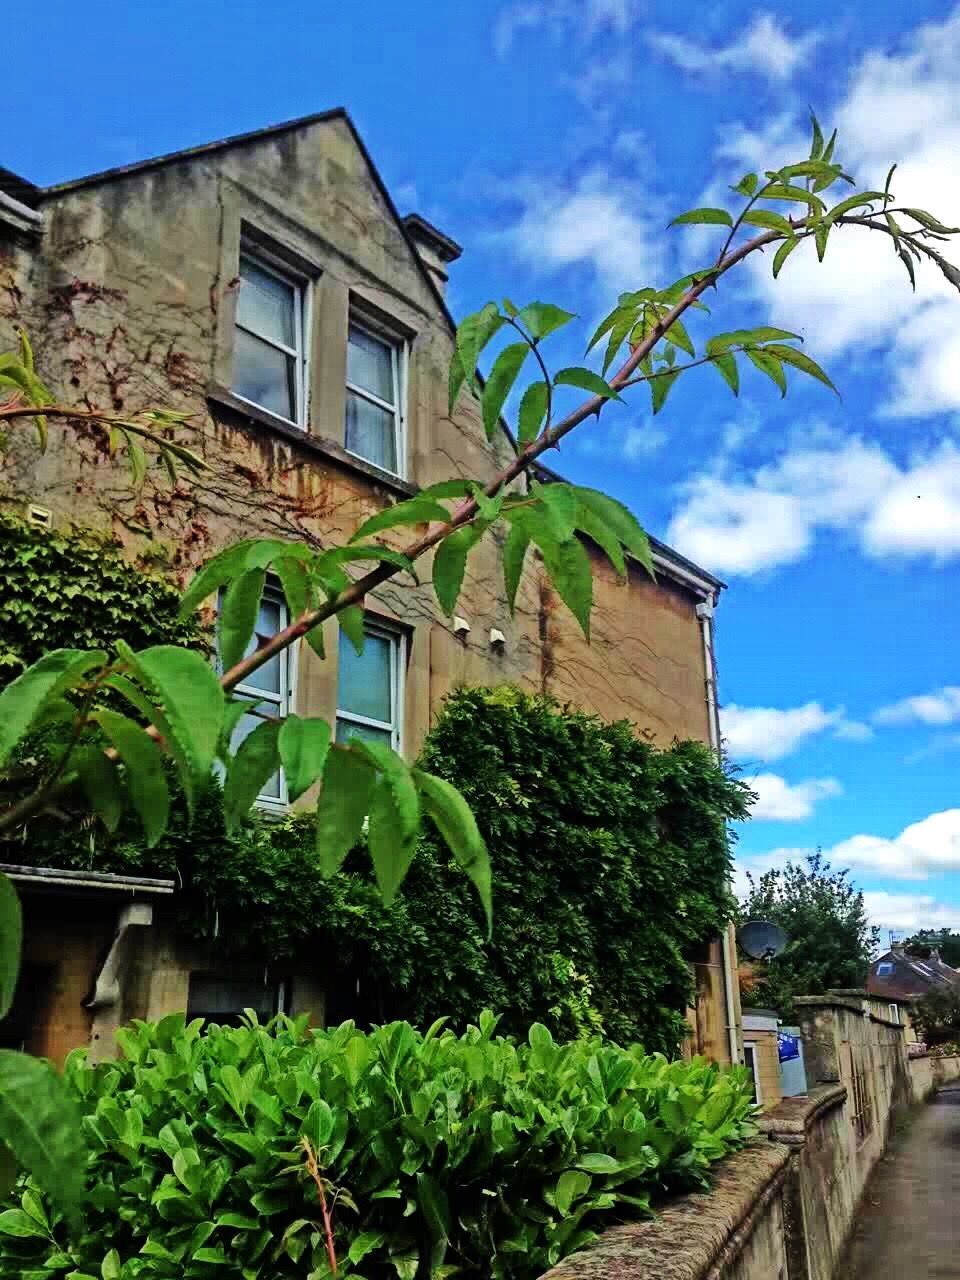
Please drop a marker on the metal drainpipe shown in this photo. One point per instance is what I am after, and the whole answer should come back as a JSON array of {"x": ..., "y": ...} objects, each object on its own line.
[{"x": 705, "y": 616}]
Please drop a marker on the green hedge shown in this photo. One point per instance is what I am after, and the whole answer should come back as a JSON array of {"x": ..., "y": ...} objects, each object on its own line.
[{"x": 471, "y": 1154}]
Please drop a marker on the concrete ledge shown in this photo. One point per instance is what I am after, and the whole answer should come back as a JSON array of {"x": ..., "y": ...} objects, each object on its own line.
[
  {"x": 790, "y": 1120},
  {"x": 691, "y": 1235}
]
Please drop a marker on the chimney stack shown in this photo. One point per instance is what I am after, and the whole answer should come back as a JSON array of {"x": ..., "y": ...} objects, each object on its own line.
[
  {"x": 436, "y": 250},
  {"x": 935, "y": 956}
]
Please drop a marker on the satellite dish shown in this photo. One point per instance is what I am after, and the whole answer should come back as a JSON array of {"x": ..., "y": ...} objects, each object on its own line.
[{"x": 762, "y": 939}]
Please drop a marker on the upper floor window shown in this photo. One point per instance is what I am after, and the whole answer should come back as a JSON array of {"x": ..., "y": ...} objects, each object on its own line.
[
  {"x": 375, "y": 418},
  {"x": 269, "y": 689},
  {"x": 269, "y": 354},
  {"x": 370, "y": 687}
]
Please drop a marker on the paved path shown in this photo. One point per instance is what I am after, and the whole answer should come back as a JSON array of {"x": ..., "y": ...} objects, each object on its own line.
[{"x": 909, "y": 1224}]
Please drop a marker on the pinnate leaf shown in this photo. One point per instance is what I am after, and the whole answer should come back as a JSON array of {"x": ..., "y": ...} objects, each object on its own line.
[
  {"x": 568, "y": 566},
  {"x": 586, "y": 380},
  {"x": 661, "y": 384},
  {"x": 101, "y": 785},
  {"x": 303, "y": 746},
  {"x": 782, "y": 254},
  {"x": 256, "y": 760},
  {"x": 456, "y": 823},
  {"x": 770, "y": 365},
  {"x": 25, "y": 698},
  {"x": 726, "y": 365},
  {"x": 503, "y": 375},
  {"x": 348, "y": 781},
  {"x": 543, "y": 318},
  {"x": 801, "y": 361},
  {"x": 238, "y": 616},
  {"x": 514, "y": 552},
  {"x": 620, "y": 520},
  {"x": 533, "y": 410},
  {"x": 146, "y": 780},
  {"x": 707, "y": 216},
  {"x": 473, "y": 334},
  {"x": 417, "y": 510},
  {"x": 768, "y": 220},
  {"x": 450, "y": 563},
  {"x": 394, "y": 817}
]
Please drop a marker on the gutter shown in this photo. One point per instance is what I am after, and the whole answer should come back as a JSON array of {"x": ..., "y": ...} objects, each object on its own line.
[{"x": 705, "y": 618}]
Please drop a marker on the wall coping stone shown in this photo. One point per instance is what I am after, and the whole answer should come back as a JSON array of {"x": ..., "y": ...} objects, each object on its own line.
[
  {"x": 857, "y": 1006},
  {"x": 691, "y": 1234},
  {"x": 789, "y": 1121}
]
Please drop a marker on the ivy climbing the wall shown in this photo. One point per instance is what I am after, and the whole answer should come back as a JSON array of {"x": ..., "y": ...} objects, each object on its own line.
[{"x": 78, "y": 591}]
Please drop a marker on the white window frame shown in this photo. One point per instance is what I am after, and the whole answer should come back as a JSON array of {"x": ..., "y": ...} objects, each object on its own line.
[
  {"x": 283, "y": 701},
  {"x": 894, "y": 1013},
  {"x": 399, "y": 364},
  {"x": 751, "y": 1060},
  {"x": 302, "y": 310},
  {"x": 398, "y": 642}
]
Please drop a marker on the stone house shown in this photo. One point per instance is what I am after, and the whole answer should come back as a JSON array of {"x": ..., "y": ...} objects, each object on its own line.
[
  {"x": 896, "y": 981},
  {"x": 266, "y": 285}
]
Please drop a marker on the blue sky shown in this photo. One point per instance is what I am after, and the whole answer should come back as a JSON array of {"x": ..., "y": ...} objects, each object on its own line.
[{"x": 555, "y": 139}]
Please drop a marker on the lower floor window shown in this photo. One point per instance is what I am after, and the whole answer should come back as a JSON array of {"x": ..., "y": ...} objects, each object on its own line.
[
  {"x": 753, "y": 1066},
  {"x": 222, "y": 998},
  {"x": 370, "y": 686}
]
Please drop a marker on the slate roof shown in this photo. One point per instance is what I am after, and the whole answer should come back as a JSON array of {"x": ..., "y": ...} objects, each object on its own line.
[{"x": 910, "y": 978}]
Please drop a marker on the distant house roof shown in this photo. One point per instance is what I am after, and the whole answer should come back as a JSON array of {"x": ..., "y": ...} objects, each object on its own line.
[{"x": 898, "y": 976}]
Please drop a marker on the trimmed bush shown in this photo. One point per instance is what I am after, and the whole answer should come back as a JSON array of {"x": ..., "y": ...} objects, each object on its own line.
[{"x": 440, "y": 1153}]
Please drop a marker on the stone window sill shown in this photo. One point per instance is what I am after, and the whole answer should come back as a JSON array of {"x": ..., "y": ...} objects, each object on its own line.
[{"x": 250, "y": 415}]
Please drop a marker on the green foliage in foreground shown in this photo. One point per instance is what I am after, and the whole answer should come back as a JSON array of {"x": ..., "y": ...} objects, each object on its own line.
[{"x": 473, "y": 1154}]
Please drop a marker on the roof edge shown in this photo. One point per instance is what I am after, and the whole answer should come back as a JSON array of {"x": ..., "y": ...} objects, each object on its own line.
[{"x": 190, "y": 153}]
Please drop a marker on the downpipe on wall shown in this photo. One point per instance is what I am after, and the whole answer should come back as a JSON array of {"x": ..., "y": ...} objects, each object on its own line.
[{"x": 705, "y": 617}]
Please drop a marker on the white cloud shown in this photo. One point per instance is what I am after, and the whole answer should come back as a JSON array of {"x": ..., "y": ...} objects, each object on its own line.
[
  {"x": 781, "y": 801},
  {"x": 764, "y": 48},
  {"x": 942, "y": 707},
  {"x": 743, "y": 524},
  {"x": 770, "y": 733},
  {"x": 927, "y": 847},
  {"x": 562, "y": 18},
  {"x": 901, "y": 107},
  {"x": 909, "y": 912},
  {"x": 598, "y": 221}
]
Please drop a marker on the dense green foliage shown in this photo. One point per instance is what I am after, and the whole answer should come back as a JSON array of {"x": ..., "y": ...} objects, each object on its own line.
[
  {"x": 830, "y": 943},
  {"x": 73, "y": 591},
  {"x": 945, "y": 941},
  {"x": 473, "y": 1153},
  {"x": 937, "y": 1016},
  {"x": 609, "y": 861}
]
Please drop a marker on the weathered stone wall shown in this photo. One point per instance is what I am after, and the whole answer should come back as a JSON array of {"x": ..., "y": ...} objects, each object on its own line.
[
  {"x": 783, "y": 1208},
  {"x": 130, "y": 298}
]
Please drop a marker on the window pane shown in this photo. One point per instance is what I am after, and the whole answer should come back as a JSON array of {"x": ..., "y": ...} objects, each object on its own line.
[
  {"x": 267, "y": 677},
  {"x": 347, "y": 729},
  {"x": 371, "y": 432},
  {"x": 370, "y": 364},
  {"x": 265, "y": 375},
  {"x": 222, "y": 998},
  {"x": 266, "y": 304},
  {"x": 364, "y": 680},
  {"x": 246, "y": 726}
]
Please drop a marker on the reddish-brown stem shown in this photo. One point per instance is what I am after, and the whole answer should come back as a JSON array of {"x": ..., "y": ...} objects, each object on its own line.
[{"x": 313, "y": 1168}]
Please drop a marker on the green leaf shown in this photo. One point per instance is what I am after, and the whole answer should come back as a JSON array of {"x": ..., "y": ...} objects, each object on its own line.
[
  {"x": 11, "y": 938},
  {"x": 747, "y": 185},
  {"x": 252, "y": 553},
  {"x": 434, "y": 1207},
  {"x": 455, "y": 380},
  {"x": 930, "y": 222},
  {"x": 369, "y": 551},
  {"x": 295, "y": 584},
  {"x": 622, "y": 326},
  {"x": 712, "y": 217},
  {"x": 895, "y": 230},
  {"x": 768, "y": 220},
  {"x": 348, "y": 782},
  {"x": 187, "y": 688},
  {"x": 785, "y": 191},
  {"x": 146, "y": 780},
  {"x": 568, "y": 567},
  {"x": 820, "y": 234},
  {"x": 110, "y": 1267},
  {"x": 14, "y": 1222},
  {"x": 318, "y": 1124},
  {"x": 41, "y": 1126},
  {"x": 533, "y": 409},
  {"x": 473, "y": 334},
  {"x": 238, "y": 616},
  {"x": 514, "y": 552},
  {"x": 543, "y": 318},
  {"x": 447, "y": 489},
  {"x": 394, "y": 817},
  {"x": 558, "y": 506},
  {"x": 771, "y": 366},
  {"x": 801, "y": 361},
  {"x": 26, "y": 697},
  {"x": 456, "y": 823},
  {"x": 678, "y": 335},
  {"x": 661, "y": 384},
  {"x": 745, "y": 337},
  {"x": 256, "y": 761},
  {"x": 620, "y": 520},
  {"x": 303, "y": 746},
  {"x": 450, "y": 563},
  {"x": 816, "y": 145},
  {"x": 366, "y": 1242},
  {"x": 586, "y": 380},
  {"x": 8, "y": 1171},
  {"x": 726, "y": 365},
  {"x": 605, "y": 538},
  {"x": 908, "y": 263},
  {"x": 417, "y": 510},
  {"x": 853, "y": 202},
  {"x": 782, "y": 254},
  {"x": 503, "y": 375},
  {"x": 570, "y": 1187},
  {"x": 102, "y": 786}
]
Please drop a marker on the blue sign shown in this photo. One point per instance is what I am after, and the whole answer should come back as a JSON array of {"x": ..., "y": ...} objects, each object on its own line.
[{"x": 788, "y": 1047}]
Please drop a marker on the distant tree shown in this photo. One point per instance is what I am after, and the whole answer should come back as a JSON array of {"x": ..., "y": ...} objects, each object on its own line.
[
  {"x": 830, "y": 938},
  {"x": 943, "y": 940},
  {"x": 937, "y": 1016}
]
